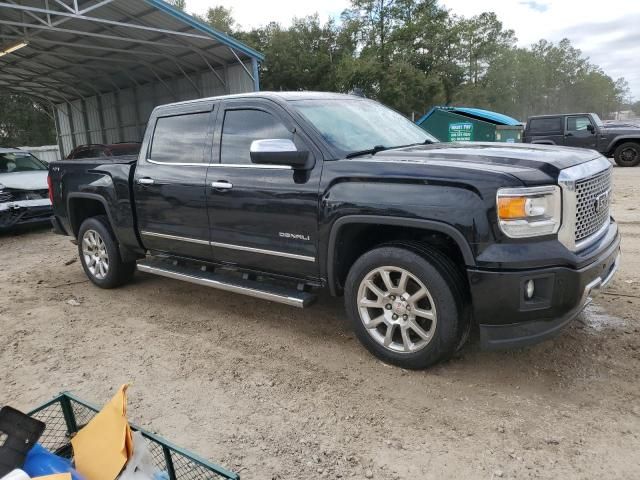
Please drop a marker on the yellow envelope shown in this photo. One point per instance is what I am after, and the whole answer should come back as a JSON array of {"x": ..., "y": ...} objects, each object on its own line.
[
  {"x": 55, "y": 476},
  {"x": 103, "y": 447}
]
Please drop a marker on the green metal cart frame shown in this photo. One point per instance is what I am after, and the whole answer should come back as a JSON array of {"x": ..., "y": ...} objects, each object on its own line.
[{"x": 66, "y": 414}]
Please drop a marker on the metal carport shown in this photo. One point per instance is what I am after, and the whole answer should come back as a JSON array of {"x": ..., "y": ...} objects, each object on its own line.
[{"x": 103, "y": 65}]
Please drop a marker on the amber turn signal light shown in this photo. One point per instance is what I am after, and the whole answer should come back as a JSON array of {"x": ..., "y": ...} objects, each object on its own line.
[{"x": 511, "y": 208}]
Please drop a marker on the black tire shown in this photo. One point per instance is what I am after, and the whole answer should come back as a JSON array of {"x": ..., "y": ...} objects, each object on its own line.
[
  {"x": 118, "y": 272},
  {"x": 627, "y": 154},
  {"x": 446, "y": 288}
]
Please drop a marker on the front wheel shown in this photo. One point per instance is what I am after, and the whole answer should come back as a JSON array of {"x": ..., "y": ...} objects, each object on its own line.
[
  {"x": 100, "y": 255},
  {"x": 628, "y": 154},
  {"x": 406, "y": 306}
]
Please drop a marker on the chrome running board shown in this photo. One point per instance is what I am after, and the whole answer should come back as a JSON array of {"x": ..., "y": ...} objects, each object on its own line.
[{"x": 228, "y": 283}]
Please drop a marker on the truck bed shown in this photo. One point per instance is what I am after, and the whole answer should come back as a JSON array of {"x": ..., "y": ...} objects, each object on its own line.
[{"x": 103, "y": 185}]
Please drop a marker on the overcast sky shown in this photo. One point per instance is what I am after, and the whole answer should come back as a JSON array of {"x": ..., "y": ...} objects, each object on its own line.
[{"x": 606, "y": 31}]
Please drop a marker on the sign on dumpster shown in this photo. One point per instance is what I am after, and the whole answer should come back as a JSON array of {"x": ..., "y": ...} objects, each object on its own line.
[{"x": 461, "y": 132}]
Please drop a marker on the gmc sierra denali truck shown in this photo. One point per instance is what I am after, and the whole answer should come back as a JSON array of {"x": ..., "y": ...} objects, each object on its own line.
[
  {"x": 586, "y": 130},
  {"x": 275, "y": 195}
]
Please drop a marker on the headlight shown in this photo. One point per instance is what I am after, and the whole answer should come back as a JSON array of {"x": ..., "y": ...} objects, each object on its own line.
[{"x": 529, "y": 212}]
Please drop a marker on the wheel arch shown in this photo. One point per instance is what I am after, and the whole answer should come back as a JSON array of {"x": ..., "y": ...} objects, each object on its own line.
[
  {"x": 616, "y": 142},
  {"x": 85, "y": 205},
  {"x": 81, "y": 205},
  {"x": 424, "y": 226}
]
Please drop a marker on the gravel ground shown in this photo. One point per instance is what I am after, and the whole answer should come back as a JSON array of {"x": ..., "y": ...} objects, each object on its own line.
[{"x": 278, "y": 393}]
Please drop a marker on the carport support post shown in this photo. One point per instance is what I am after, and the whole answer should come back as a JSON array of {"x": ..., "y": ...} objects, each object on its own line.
[
  {"x": 72, "y": 127},
  {"x": 256, "y": 74},
  {"x": 116, "y": 96},
  {"x": 136, "y": 106},
  {"x": 85, "y": 119},
  {"x": 56, "y": 121},
  {"x": 101, "y": 118}
]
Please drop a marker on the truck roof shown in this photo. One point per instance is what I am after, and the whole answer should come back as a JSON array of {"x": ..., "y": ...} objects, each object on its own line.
[
  {"x": 287, "y": 96},
  {"x": 560, "y": 115}
]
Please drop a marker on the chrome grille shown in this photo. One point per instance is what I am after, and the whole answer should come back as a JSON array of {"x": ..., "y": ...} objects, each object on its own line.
[
  {"x": 593, "y": 198},
  {"x": 5, "y": 196}
]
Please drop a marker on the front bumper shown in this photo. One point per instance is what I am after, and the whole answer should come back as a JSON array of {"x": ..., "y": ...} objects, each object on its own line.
[
  {"x": 24, "y": 212},
  {"x": 507, "y": 320}
]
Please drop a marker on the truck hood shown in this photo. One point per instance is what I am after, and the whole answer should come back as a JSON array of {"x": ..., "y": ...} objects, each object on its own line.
[
  {"x": 630, "y": 130},
  {"x": 529, "y": 163},
  {"x": 36, "y": 180}
]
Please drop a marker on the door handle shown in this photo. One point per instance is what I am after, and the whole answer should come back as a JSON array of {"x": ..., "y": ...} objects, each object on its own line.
[
  {"x": 222, "y": 185},
  {"x": 145, "y": 181}
]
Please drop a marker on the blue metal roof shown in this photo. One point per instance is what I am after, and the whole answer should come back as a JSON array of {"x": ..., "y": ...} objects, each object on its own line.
[
  {"x": 479, "y": 113},
  {"x": 203, "y": 27}
]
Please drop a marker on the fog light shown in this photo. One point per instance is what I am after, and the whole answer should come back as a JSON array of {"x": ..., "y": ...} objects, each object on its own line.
[{"x": 529, "y": 289}]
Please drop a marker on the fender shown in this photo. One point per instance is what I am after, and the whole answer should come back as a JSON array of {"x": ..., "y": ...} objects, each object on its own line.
[
  {"x": 620, "y": 139},
  {"x": 432, "y": 225},
  {"x": 125, "y": 253}
]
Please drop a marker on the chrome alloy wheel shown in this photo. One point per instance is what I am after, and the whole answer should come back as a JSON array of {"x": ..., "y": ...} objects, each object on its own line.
[
  {"x": 397, "y": 309},
  {"x": 95, "y": 254}
]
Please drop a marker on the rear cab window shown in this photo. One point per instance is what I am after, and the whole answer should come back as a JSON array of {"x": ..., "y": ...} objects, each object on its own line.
[
  {"x": 180, "y": 139},
  {"x": 545, "y": 126}
]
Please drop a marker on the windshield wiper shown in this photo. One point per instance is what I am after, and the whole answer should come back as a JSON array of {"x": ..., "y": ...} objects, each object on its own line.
[
  {"x": 426, "y": 142},
  {"x": 368, "y": 151}
]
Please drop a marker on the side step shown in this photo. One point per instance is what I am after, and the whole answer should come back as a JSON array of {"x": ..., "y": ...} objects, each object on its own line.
[{"x": 228, "y": 283}]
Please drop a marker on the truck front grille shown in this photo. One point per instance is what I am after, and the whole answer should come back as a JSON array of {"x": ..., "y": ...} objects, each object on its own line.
[
  {"x": 593, "y": 199},
  {"x": 16, "y": 195}
]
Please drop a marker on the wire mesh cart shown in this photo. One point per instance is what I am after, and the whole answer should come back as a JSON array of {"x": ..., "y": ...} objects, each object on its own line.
[{"x": 66, "y": 414}]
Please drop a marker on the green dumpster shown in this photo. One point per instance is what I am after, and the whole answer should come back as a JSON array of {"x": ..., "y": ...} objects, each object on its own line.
[{"x": 461, "y": 124}]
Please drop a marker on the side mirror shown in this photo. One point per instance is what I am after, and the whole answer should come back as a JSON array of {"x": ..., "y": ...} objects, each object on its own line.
[
  {"x": 591, "y": 128},
  {"x": 277, "y": 151}
]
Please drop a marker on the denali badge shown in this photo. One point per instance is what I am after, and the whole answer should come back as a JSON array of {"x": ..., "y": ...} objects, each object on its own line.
[
  {"x": 602, "y": 201},
  {"x": 295, "y": 236}
]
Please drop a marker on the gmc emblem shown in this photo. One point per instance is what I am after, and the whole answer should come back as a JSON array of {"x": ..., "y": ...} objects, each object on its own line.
[{"x": 602, "y": 201}]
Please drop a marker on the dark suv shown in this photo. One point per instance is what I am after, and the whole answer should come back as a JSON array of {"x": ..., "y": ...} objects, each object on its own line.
[
  {"x": 586, "y": 130},
  {"x": 96, "y": 150}
]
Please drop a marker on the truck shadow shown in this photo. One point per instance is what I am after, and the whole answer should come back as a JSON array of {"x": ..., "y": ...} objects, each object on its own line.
[
  {"x": 322, "y": 332},
  {"x": 21, "y": 230}
]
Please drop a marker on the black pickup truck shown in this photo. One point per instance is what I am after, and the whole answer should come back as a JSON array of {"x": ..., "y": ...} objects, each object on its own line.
[
  {"x": 586, "y": 130},
  {"x": 275, "y": 195}
]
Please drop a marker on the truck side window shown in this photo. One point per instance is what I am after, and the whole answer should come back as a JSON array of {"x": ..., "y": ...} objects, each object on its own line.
[
  {"x": 241, "y": 127},
  {"x": 545, "y": 125},
  {"x": 578, "y": 124},
  {"x": 180, "y": 139}
]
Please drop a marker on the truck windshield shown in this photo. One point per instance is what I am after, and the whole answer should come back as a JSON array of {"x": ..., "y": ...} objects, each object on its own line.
[
  {"x": 596, "y": 119},
  {"x": 19, "y": 162},
  {"x": 359, "y": 125}
]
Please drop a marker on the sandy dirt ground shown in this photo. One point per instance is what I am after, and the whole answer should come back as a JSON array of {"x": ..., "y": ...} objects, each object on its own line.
[{"x": 278, "y": 393}]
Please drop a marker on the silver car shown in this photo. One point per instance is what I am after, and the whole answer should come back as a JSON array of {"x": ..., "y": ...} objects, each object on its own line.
[{"x": 24, "y": 193}]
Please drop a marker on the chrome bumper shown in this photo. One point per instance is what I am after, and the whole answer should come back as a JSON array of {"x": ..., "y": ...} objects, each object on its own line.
[{"x": 597, "y": 285}]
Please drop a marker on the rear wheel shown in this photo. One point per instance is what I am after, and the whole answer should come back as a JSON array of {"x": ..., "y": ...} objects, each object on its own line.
[
  {"x": 100, "y": 255},
  {"x": 628, "y": 154},
  {"x": 406, "y": 306}
]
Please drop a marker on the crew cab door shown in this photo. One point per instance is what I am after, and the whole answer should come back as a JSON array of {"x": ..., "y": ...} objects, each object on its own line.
[
  {"x": 262, "y": 217},
  {"x": 580, "y": 132},
  {"x": 169, "y": 183}
]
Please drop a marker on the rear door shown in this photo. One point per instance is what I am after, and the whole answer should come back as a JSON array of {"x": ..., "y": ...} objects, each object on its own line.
[
  {"x": 169, "y": 184},
  {"x": 262, "y": 217},
  {"x": 580, "y": 132}
]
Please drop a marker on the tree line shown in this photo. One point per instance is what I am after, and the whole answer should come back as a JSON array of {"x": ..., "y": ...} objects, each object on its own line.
[
  {"x": 414, "y": 54},
  {"x": 408, "y": 54}
]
